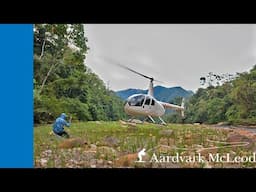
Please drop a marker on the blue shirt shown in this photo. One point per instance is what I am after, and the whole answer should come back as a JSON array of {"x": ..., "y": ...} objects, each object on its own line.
[{"x": 59, "y": 124}]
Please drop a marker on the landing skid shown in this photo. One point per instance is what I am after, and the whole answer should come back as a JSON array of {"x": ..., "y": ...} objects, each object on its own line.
[
  {"x": 151, "y": 118},
  {"x": 163, "y": 123},
  {"x": 133, "y": 120}
]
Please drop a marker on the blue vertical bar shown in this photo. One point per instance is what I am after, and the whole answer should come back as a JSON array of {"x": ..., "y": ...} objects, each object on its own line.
[{"x": 16, "y": 95}]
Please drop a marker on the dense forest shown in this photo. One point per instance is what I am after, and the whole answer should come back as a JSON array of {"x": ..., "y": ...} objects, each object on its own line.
[
  {"x": 62, "y": 81},
  {"x": 232, "y": 102}
]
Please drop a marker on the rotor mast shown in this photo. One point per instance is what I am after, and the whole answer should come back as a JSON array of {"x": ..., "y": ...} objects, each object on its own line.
[{"x": 151, "y": 88}]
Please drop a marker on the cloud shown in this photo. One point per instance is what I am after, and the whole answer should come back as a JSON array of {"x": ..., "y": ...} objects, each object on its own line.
[{"x": 176, "y": 54}]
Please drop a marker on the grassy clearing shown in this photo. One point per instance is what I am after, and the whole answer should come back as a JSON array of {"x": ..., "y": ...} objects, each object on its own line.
[{"x": 115, "y": 144}]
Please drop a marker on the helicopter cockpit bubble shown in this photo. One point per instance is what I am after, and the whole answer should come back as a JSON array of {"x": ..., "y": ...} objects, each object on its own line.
[{"x": 136, "y": 100}]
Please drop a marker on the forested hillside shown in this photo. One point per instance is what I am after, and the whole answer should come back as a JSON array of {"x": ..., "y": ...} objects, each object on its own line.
[
  {"x": 63, "y": 83},
  {"x": 232, "y": 102}
]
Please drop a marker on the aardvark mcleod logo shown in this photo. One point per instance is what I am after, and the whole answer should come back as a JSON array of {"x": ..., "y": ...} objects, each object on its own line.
[{"x": 140, "y": 155}]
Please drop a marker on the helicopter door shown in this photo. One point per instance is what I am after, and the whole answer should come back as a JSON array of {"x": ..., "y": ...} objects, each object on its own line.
[{"x": 147, "y": 106}]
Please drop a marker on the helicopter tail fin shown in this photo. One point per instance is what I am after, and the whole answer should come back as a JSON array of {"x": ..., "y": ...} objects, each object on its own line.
[
  {"x": 183, "y": 106},
  {"x": 183, "y": 102}
]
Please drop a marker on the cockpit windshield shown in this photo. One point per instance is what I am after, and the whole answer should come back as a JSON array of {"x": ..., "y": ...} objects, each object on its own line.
[{"x": 136, "y": 100}]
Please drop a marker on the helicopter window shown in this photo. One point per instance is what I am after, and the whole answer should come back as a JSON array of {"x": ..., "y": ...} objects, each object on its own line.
[
  {"x": 153, "y": 102},
  {"x": 147, "y": 102},
  {"x": 142, "y": 101},
  {"x": 137, "y": 100}
]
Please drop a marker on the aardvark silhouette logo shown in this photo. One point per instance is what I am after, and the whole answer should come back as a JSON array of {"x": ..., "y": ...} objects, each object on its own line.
[{"x": 141, "y": 154}]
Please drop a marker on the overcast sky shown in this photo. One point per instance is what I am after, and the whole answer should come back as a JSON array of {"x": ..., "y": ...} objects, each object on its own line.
[{"x": 178, "y": 54}]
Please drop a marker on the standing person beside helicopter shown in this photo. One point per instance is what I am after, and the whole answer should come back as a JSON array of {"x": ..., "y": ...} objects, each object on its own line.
[{"x": 58, "y": 126}]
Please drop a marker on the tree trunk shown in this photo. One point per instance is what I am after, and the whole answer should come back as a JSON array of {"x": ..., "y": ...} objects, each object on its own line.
[
  {"x": 42, "y": 51},
  {"x": 46, "y": 77}
]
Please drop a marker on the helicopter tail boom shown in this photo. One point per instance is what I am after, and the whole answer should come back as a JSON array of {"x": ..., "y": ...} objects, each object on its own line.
[{"x": 174, "y": 107}]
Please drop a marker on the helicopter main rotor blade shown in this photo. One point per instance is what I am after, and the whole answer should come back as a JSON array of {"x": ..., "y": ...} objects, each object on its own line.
[
  {"x": 151, "y": 78},
  {"x": 159, "y": 81},
  {"x": 129, "y": 69}
]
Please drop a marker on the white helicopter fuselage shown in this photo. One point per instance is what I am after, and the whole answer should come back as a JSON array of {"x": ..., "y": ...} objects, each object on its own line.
[
  {"x": 144, "y": 105},
  {"x": 147, "y": 105}
]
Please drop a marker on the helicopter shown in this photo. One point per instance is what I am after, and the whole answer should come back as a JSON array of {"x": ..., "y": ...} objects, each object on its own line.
[{"x": 146, "y": 104}]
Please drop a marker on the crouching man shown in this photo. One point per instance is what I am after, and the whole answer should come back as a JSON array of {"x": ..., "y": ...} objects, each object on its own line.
[{"x": 58, "y": 126}]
